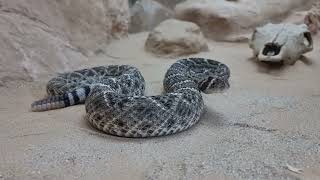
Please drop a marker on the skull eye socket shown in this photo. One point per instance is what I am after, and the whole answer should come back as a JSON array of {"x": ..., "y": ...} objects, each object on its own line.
[
  {"x": 271, "y": 49},
  {"x": 307, "y": 39}
]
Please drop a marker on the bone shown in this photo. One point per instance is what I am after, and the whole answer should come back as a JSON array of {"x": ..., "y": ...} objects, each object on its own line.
[{"x": 293, "y": 41}]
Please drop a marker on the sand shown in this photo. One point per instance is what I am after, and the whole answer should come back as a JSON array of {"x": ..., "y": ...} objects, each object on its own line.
[{"x": 267, "y": 120}]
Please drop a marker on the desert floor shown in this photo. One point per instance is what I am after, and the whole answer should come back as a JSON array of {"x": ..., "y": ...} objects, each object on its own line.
[{"x": 266, "y": 125}]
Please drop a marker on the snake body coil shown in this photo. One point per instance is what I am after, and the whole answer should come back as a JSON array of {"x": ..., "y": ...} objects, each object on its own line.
[{"x": 115, "y": 102}]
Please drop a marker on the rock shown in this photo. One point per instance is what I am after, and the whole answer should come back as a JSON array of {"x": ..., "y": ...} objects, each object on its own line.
[
  {"x": 171, "y": 4},
  {"x": 86, "y": 24},
  {"x": 312, "y": 18},
  {"x": 31, "y": 50},
  {"x": 174, "y": 38},
  {"x": 42, "y": 37},
  {"x": 147, "y": 14},
  {"x": 281, "y": 42},
  {"x": 231, "y": 20}
]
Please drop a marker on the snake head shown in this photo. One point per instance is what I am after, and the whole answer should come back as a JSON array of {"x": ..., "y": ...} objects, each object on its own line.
[{"x": 214, "y": 84}]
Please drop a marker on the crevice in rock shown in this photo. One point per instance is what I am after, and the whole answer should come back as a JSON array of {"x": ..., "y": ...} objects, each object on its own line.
[
  {"x": 15, "y": 11},
  {"x": 46, "y": 28},
  {"x": 244, "y": 125}
]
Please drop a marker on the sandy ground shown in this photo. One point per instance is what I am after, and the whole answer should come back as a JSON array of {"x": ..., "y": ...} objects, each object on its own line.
[{"x": 267, "y": 120}]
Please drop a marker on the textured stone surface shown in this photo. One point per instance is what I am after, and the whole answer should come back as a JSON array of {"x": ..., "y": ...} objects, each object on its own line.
[
  {"x": 231, "y": 20},
  {"x": 281, "y": 42},
  {"x": 312, "y": 18},
  {"x": 30, "y": 49},
  {"x": 40, "y": 37},
  {"x": 174, "y": 38},
  {"x": 170, "y": 3},
  {"x": 147, "y": 14},
  {"x": 86, "y": 23}
]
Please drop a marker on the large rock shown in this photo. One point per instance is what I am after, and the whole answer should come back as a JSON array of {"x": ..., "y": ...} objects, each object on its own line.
[
  {"x": 174, "y": 38},
  {"x": 146, "y": 15},
  {"x": 88, "y": 24},
  {"x": 312, "y": 18},
  {"x": 232, "y": 20},
  {"x": 171, "y": 4},
  {"x": 41, "y": 37},
  {"x": 31, "y": 50}
]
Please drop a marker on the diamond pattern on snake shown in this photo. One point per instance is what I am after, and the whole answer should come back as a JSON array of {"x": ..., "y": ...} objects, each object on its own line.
[{"x": 115, "y": 102}]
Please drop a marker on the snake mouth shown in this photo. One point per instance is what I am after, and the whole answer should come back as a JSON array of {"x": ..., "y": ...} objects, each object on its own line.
[{"x": 271, "y": 49}]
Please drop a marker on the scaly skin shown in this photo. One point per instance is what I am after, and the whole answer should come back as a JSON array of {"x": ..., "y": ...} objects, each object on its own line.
[{"x": 115, "y": 102}]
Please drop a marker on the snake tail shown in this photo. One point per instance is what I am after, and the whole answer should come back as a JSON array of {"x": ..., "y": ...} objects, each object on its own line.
[{"x": 74, "y": 97}]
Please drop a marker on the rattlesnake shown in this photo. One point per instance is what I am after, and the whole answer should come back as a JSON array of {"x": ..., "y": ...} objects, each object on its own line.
[{"x": 115, "y": 102}]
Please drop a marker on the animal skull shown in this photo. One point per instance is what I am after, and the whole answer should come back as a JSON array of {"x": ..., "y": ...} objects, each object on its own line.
[{"x": 281, "y": 42}]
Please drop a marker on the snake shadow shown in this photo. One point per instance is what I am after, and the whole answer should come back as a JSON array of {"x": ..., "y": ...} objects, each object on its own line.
[{"x": 211, "y": 118}]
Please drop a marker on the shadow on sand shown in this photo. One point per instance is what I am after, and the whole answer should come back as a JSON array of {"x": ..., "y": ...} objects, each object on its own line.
[{"x": 276, "y": 68}]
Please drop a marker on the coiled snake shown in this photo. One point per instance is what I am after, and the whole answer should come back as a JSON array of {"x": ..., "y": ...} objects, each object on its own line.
[{"x": 115, "y": 102}]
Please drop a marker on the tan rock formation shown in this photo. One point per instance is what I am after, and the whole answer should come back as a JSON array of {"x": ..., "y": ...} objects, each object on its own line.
[
  {"x": 232, "y": 20},
  {"x": 86, "y": 23},
  {"x": 171, "y": 4},
  {"x": 147, "y": 14},
  {"x": 174, "y": 38},
  {"x": 312, "y": 18},
  {"x": 40, "y": 37}
]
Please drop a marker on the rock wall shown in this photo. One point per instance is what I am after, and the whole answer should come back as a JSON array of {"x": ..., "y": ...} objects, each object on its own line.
[
  {"x": 86, "y": 23},
  {"x": 312, "y": 17},
  {"x": 170, "y": 3},
  {"x": 229, "y": 20},
  {"x": 147, "y": 14},
  {"x": 40, "y": 37}
]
